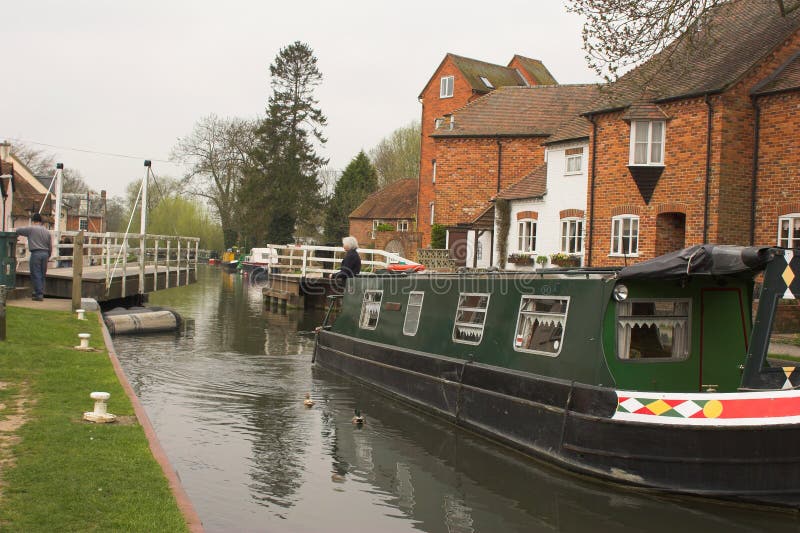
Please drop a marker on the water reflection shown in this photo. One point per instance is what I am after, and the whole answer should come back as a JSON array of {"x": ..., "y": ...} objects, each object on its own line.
[{"x": 226, "y": 400}]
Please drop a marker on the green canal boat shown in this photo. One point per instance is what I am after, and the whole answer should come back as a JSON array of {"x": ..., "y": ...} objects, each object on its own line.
[{"x": 653, "y": 375}]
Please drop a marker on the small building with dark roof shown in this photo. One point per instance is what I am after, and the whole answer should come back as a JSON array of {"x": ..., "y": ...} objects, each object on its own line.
[{"x": 386, "y": 220}]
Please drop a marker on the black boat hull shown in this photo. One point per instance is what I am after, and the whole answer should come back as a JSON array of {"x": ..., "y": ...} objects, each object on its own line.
[{"x": 570, "y": 425}]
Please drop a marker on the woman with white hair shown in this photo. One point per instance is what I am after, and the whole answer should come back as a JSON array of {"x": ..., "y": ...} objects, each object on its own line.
[{"x": 351, "y": 262}]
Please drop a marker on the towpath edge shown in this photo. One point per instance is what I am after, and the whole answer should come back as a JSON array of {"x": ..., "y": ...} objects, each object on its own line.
[{"x": 184, "y": 503}]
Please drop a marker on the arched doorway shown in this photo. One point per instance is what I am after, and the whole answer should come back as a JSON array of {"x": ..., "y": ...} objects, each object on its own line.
[{"x": 670, "y": 232}]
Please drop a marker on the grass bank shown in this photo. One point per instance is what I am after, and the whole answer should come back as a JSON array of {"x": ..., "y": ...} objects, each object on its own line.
[{"x": 58, "y": 472}]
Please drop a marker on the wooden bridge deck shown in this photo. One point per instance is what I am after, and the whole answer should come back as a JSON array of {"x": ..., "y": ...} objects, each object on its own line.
[{"x": 58, "y": 283}]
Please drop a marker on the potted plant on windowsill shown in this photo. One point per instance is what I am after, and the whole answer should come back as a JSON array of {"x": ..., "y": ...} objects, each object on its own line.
[
  {"x": 520, "y": 259},
  {"x": 541, "y": 261},
  {"x": 565, "y": 260}
]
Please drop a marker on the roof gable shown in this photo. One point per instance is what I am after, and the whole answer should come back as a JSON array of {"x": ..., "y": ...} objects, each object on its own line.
[
  {"x": 534, "y": 68},
  {"x": 497, "y": 75},
  {"x": 784, "y": 78}
]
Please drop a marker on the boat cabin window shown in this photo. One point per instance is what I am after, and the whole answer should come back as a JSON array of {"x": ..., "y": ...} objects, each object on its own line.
[
  {"x": 470, "y": 317},
  {"x": 370, "y": 309},
  {"x": 413, "y": 311},
  {"x": 653, "y": 329},
  {"x": 540, "y": 324}
]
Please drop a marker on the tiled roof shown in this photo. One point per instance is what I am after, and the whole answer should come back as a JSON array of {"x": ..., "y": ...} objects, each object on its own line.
[
  {"x": 785, "y": 78},
  {"x": 534, "y": 185},
  {"x": 498, "y": 75},
  {"x": 577, "y": 127},
  {"x": 484, "y": 221},
  {"x": 738, "y": 35},
  {"x": 398, "y": 200},
  {"x": 520, "y": 111},
  {"x": 536, "y": 70},
  {"x": 644, "y": 111},
  {"x": 73, "y": 202}
]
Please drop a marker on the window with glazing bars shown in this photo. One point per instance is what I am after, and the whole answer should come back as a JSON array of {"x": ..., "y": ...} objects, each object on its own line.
[
  {"x": 470, "y": 317},
  {"x": 370, "y": 309}
]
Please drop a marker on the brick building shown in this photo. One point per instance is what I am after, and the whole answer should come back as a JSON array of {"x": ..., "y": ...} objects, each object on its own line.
[
  {"x": 386, "y": 220},
  {"x": 456, "y": 82},
  {"x": 698, "y": 144},
  {"x": 488, "y": 145}
]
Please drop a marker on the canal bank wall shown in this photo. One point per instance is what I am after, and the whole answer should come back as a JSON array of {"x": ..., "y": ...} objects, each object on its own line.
[{"x": 185, "y": 505}]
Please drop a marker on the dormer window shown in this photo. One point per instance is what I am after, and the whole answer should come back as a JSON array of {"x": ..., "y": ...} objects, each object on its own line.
[
  {"x": 486, "y": 82},
  {"x": 446, "y": 87},
  {"x": 647, "y": 143}
]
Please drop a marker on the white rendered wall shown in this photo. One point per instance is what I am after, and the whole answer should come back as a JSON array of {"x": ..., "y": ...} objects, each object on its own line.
[{"x": 563, "y": 192}]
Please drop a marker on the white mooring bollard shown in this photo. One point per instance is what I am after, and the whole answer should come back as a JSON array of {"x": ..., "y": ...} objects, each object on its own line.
[
  {"x": 84, "y": 337},
  {"x": 81, "y": 314},
  {"x": 100, "y": 414}
]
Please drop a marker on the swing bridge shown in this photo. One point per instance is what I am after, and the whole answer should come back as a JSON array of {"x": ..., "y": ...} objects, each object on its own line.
[{"x": 112, "y": 266}]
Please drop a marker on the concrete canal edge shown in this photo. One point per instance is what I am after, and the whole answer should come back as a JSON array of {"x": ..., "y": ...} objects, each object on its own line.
[{"x": 184, "y": 503}]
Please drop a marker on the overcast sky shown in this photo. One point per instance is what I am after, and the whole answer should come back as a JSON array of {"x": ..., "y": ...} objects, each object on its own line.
[{"x": 129, "y": 77}]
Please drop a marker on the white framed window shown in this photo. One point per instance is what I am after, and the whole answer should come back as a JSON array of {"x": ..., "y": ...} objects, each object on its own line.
[
  {"x": 789, "y": 231},
  {"x": 402, "y": 225},
  {"x": 433, "y": 171},
  {"x": 625, "y": 235},
  {"x": 486, "y": 82},
  {"x": 370, "y": 309},
  {"x": 572, "y": 235},
  {"x": 470, "y": 317},
  {"x": 375, "y": 224},
  {"x": 432, "y": 213},
  {"x": 647, "y": 142},
  {"x": 574, "y": 160},
  {"x": 540, "y": 324},
  {"x": 446, "y": 87},
  {"x": 656, "y": 329},
  {"x": 526, "y": 235},
  {"x": 83, "y": 224},
  {"x": 479, "y": 250},
  {"x": 413, "y": 312}
]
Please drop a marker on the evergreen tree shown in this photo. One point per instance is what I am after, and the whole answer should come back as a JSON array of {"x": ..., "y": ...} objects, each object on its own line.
[
  {"x": 281, "y": 187},
  {"x": 359, "y": 180}
]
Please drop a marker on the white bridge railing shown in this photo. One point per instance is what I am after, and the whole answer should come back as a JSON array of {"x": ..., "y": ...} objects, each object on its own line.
[
  {"x": 117, "y": 253},
  {"x": 304, "y": 260}
]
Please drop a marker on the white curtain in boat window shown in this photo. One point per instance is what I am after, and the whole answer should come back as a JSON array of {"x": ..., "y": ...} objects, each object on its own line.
[
  {"x": 370, "y": 309},
  {"x": 653, "y": 329},
  {"x": 540, "y": 324},
  {"x": 413, "y": 312},
  {"x": 470, "y": 317}
]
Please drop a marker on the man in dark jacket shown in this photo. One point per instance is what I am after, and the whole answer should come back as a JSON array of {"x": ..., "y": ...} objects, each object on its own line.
[
  {"x": 351, "y": 262},
  {"x": 41, "y": 246}
]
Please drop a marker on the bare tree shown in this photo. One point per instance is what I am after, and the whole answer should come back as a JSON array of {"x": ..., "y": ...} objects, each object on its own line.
[
  {"x": 216, "y": 154},
  {"x": 43, "y": 163},
  {"x": 619, "y": 34},
  {"x": 397, "y": 156}
]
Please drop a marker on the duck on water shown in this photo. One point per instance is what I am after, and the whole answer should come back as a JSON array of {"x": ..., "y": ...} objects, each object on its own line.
[{"x": 654, "y": 375}]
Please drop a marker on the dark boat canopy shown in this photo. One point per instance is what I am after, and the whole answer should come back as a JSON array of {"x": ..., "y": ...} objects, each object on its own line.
[{"x": 702, "y": 260}]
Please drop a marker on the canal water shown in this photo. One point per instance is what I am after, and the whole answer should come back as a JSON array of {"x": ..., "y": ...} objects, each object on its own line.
[{"x": 225, "y": 396}]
